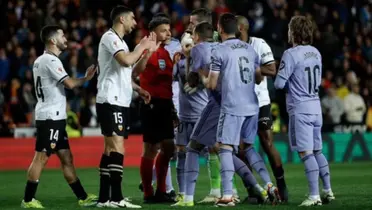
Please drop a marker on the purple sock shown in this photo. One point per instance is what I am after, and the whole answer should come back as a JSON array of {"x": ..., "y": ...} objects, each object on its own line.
[
  {"x": 243, "y": 171},
  {"x": 227, "y": 171},
  {"x": 181, "y": 159},
  {"x": 191, "y": 170},
  {"x": 257, "y": 163},
  {"x": 312, "y": 173},
  {"x": 324, "y": 172}
]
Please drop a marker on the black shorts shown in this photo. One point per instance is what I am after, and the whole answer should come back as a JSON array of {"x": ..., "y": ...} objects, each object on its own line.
[
  {"x": 157, "y": 120},
  {"x": 113, "y": 119},
  {"x": 265, "y": 121},
  {"x": 51, "y": 136}
]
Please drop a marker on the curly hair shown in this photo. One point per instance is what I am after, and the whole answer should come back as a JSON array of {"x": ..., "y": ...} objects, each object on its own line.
[{"x": 301, "y": 30}]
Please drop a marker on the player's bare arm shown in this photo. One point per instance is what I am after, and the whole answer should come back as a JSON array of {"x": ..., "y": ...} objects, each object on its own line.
[
  {"x": 72, "y": 83},
  {"x": 210, "y": 82},
  {"x": 268, "y": 69},
  {"x": 259, "y": 75},
  {"x": 128, "y": 59},
  {"x": 142, "y": 62},
  {"x": 142, "y": 93},
  {"x": 146, "y": 43}
]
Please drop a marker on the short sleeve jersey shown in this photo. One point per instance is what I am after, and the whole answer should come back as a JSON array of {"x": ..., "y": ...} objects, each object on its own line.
[
  {"x": 114, "y": 80},
  {"x": 49, "y": 75}
]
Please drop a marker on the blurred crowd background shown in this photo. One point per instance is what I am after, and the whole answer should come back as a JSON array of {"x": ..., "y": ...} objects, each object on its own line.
[{"x": 343, "y": 36}]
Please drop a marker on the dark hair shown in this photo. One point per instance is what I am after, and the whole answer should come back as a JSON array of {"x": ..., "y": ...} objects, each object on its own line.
[
  {"x": 202, "y": 15},
  {"x": 301, "y": 30},
  {"x": 160, "y": 14},
  {"x": 157, "y": 21},
  {"x": 228, "y": 23},
  {"x": 118, "y": 10},
  {"x": 48, "y": 31},
  {"x": 204, "y": 30}
]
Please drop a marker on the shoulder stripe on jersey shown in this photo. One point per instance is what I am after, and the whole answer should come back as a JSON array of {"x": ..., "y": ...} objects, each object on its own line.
[
  {"x": 63, "y": 78},
  {"x": 117, "y": 52},
  {"x": 268, "y": 62}
]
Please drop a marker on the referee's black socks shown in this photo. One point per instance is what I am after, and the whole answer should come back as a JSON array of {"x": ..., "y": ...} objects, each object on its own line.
[
  {"x": 104, "y": 185},
  {"x": 116, "y": 175},
  {"x": 78, "y": 190},
  {"x": 30, "y": 190}
]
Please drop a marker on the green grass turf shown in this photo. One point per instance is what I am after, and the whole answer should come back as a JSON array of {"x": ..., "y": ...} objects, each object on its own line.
[{"x": 352, "y": 185}]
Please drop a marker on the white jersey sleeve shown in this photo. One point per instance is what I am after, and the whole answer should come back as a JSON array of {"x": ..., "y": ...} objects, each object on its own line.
[
  {"x": 265, "y": 53},
  {"x": 114, "y": 80},
  {"x": 112, "y": 43},
  {"x": 56, "y": 70},
  {"x": 266, "y": 57}
]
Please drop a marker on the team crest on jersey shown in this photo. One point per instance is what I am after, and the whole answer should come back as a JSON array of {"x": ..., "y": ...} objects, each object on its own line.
[
  {"x": 115, "y": 44},
  {"x": 120, "y": 127},
  {"x": 60, "y": 69},
  {"x": 162, "y": 64},
  {"x": 52, "y": 145}
]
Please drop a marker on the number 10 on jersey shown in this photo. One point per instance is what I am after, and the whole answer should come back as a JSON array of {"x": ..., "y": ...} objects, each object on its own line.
[{"x": 312, "y": 78}]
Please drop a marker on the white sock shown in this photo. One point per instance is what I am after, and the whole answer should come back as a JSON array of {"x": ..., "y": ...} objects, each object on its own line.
[
  {"x": 314, "y": 197},
  {"x": 235, "y": 192},
  {"x": 189, "y": 198},
  {"x": 227, "y": 197},
  {"x": 215, "y": 192}
]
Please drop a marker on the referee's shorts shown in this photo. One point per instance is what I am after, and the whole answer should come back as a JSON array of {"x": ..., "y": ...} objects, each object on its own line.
[{"x": 157, "y": 120}]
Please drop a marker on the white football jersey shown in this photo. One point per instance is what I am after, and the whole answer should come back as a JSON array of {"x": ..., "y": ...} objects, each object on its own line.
[
  {"x": 266, "y": 57},
  {"x": 114, "y": 80},
  {"x": 49, "y": 75}
]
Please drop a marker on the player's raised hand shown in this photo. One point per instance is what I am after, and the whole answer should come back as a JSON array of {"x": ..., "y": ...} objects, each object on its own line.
[
  {"x": 90, "y": 72},
  {"x": 145, "y": 42},
  {"x": 176, "y": 57},
  {"x": 154, "y": 44}
]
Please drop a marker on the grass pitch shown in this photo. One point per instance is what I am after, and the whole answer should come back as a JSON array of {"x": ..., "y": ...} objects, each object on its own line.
[{"x": 351, "y": 183}]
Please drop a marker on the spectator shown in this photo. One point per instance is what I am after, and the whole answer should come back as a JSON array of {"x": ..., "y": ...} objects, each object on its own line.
[
  {"x": 4, "y": 67},
  {"x": 332, "y": 107},
  {"x": 355, "y": 108},
  {"x": 341, "y": 89}
]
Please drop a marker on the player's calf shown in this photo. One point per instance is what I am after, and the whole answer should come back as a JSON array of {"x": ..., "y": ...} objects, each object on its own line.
[
  {"x": 161, "y": 166},
  {"x": 312, "y": 175},
  {"x": 325, "y": 175},
  {"x": 266, "y": 141},
  {"x": 33, "y": 175},
  {"x": 69, "y": 172},
  {"x": 227, "y": 170},
  {"x": 181, "y": 159},
  {"x": 191, "y": 171}
]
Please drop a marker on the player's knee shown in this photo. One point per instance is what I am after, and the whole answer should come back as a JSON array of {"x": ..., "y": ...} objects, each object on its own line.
[
  {"x": 264, "y": 124},
  {"x": 195, "y": 146},
  {"x": 214, "y": 149},
  {"x": 168, "y": 147},
  {"x": 181, "y": 148},
  {"x": 317, "y": 152},
  {"x": 245, "y": 146},
  {"x": 226, "y": 147},
  {"x": 40, "y": 158},
  {"x": 265, "y": 139},
  {"x": 66, "y": 158},
  {"x": 304, "y": 153},
  {"x": 150, "y": 150},
  {"x": 117, "y": 144}
]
